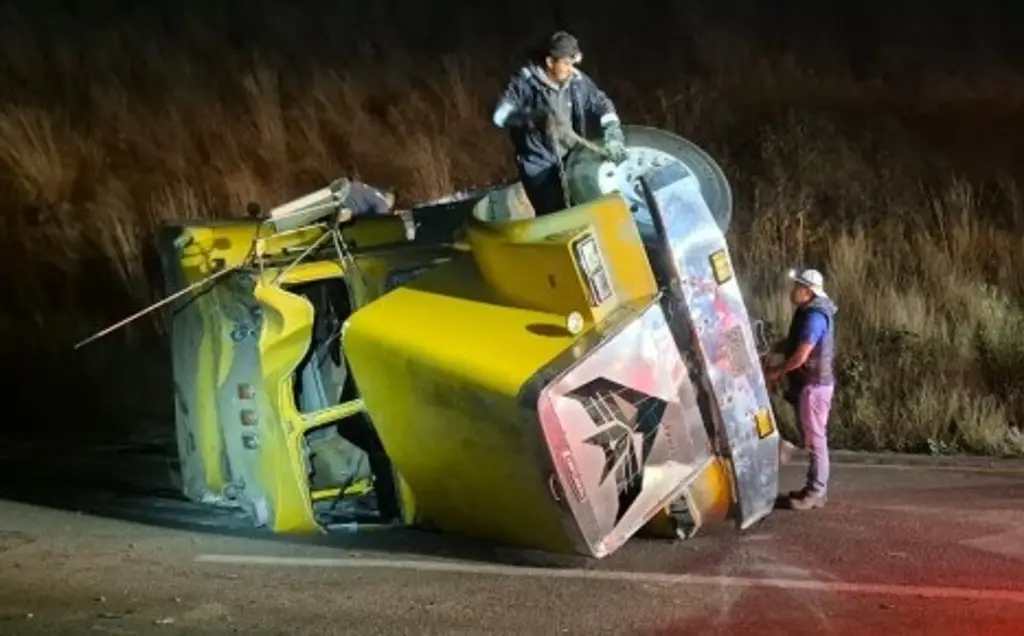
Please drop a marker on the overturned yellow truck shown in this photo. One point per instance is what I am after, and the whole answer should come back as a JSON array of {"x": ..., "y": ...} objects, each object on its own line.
[{"x": 558, "y": 383}]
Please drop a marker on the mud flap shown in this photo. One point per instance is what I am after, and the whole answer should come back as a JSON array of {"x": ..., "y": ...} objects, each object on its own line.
[{"x": 712, "y": 321}]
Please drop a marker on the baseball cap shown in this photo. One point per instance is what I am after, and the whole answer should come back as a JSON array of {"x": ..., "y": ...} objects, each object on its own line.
[
  {"x": 810, "y": 278},
  {"x": 563, "y": 45}
]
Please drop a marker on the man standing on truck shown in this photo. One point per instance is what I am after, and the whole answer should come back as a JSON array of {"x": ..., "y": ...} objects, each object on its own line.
[
  {"x": 546, "y": 101},
  {"x": 809, "y": 351}
]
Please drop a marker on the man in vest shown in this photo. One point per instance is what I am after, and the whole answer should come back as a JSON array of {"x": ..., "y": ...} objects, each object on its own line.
[
  {"x": 543, "y": 99},
  {"x": 809, "y": 351}
]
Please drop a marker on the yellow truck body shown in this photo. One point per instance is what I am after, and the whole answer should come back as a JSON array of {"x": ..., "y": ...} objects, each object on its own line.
[{"x": 550, "y": 383}]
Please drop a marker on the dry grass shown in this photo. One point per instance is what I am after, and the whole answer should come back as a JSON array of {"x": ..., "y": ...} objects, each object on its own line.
[{"x": 905, "y": 191}]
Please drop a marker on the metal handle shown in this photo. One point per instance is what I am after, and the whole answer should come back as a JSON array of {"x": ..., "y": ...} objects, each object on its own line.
[{"x": 760, "y": 340}]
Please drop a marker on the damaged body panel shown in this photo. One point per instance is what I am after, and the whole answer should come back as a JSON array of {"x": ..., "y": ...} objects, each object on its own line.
[{"x": 259, "y": 395}]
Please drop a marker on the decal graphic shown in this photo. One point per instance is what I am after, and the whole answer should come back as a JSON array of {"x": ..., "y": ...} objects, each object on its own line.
[{"x": 620, "y": 413}]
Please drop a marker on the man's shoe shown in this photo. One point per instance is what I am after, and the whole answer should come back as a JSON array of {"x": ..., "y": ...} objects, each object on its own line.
[{"x": 807, "y": 501}]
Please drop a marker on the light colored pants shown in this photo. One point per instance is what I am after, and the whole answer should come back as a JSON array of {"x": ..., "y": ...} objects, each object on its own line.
[{"x": 813, "y": 408}]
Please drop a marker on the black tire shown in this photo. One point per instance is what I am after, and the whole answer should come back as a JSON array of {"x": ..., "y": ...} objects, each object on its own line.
[{"x": 714, "y": 185}]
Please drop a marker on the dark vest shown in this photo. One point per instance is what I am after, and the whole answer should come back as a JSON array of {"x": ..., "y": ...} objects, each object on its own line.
[{"x": 818, "y": 368}]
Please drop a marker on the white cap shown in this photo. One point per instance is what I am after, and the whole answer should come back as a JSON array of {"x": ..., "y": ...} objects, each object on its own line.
[{"x": 810, "y": 278}]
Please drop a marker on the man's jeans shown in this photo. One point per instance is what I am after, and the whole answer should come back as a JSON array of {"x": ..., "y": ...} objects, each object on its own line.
[
  {"x": 812, "y": 411},
  {"x": 544, "y": 190}
]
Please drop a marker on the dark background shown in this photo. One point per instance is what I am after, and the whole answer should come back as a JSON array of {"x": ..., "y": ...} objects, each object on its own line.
[{"x": 141, "y": 111}]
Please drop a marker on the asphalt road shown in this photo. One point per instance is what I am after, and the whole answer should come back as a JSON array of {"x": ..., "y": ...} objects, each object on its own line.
[{"x": 901, "y": 551}]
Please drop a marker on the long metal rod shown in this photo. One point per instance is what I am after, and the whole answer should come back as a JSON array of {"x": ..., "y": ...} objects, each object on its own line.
[
  {"x": 327, "y": 234},
  {"x": 157, "y": 305}
]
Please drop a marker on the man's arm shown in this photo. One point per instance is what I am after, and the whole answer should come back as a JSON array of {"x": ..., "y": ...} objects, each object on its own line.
[
  {"x": 509, "y": 111},
  {"x": 597, "y": 104},
  {"x": 812, "y": 333},
  {"x": 798, "y": 359}
]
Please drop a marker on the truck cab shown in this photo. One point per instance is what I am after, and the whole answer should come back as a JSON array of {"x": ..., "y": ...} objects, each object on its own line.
[{"x": 559, "y": 383}]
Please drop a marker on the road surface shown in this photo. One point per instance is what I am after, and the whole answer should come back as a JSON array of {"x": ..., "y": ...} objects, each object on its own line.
[{"x": 900, "y": 551}]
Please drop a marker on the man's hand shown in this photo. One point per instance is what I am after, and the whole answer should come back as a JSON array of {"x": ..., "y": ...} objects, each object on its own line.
[
  {"x": 615, "y": 144},
  {"x": 344, "y": 215},
  {"x": 616, "y": 151},
  {"x": 773, "y": 375},
  {"x": 536, "y": 117},
  {"x": 508, "y": 115}
]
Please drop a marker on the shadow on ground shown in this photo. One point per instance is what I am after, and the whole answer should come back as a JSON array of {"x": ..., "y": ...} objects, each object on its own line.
[
  {"x": 102, "y": 484},
  {"x": 136, "y": 483}
]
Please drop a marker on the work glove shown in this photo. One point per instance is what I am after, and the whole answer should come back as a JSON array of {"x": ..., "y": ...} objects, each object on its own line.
[{"x": 615, "y": 143}]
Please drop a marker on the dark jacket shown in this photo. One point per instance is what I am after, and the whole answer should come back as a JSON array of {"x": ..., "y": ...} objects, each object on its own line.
[{"x": 530, "y": 96}]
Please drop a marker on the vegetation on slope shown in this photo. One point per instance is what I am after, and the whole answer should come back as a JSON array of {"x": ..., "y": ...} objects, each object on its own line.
[{"x": 901, "y": 180}]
